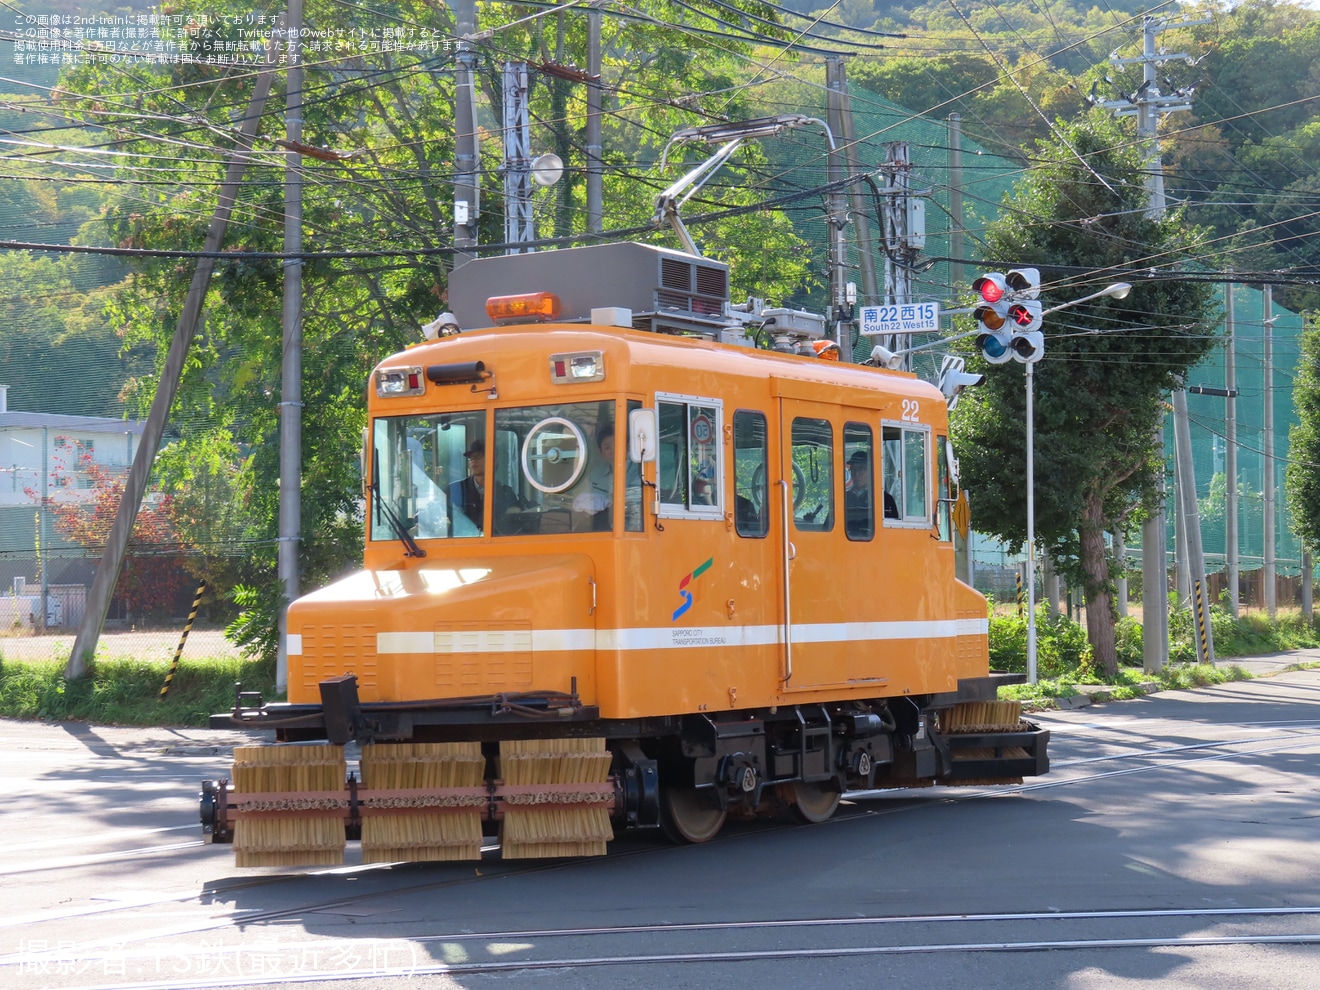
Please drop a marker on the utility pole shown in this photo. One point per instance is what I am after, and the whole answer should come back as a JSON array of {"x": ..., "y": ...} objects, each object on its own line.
[
  {"x": 467, "y": 202},
  {"x": 1308, "y": 571},
  {"x": 517, "y": 165},
  {"x": 903, "y": 237},
  {"x": 1120, "y": 568},
  {"x": 838, "y": 211},
  {"x": 1230, "y": 452},
  {"x": 861, "y": 214},
  {"x": 290, "y": 511},
  {"x": 595, "y": 163},
  {"x": 135, "y": 484},
  {"x": 1146, "y": 104},
  {"x": 1155, "y": 577},
  {"x": 1269, "y": 571},
  {"x": 1190, "y": 516},
  {"x": 956, "y": 213}
]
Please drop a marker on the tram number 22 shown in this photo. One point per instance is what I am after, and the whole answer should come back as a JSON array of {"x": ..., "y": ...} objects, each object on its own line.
[{"x": 911, "y": 411}]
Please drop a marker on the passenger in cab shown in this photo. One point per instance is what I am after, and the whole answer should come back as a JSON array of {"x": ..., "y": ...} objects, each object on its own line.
[
  {"x": 595, "y": 501},
  {"x": 858, "y": 509}
]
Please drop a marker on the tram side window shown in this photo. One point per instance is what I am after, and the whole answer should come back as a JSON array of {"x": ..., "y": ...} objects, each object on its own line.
[
  {"x": 632, "y": 482},
  {"x": 859, "y": 497},
  {"x": 813, "y": 474},
  {"x": 944, "y": 494},
  {"x": 750, "y": 491},
  {"x": 690, "y": 456},
  {"x": 904, "y": 474}
]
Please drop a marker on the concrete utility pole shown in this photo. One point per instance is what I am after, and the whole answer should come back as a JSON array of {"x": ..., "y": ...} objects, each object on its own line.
[
  {"x": 1155, "y": 578},
  {"x": 956, "y": 212},
  {"x": 1269, "y": 571},
  {"x": 1121, "y": 581},
  {"x": 290, "y": 513},
  {"x": 135, "y": 484},
  {"x": 595, "y": 163},
  {"x": 838, "y": 212},
  {"x": 1308, "y": 574},
  {"x": 904, "y": 233},
  {"x": 467, "y": 193},
  {"x": 1230, "y": 452},
  {"x": 1146, "y": 104},
  {"x": 861, "y": 214},
  {"x": 1205, "y": 644}
]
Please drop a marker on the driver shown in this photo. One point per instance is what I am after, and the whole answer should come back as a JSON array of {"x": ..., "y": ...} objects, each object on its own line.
[{"x": 468, "y": 497}]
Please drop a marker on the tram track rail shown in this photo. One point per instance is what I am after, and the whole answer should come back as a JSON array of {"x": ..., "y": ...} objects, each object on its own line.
[
  {"x": 537, "y": 949},
  {"x": 146, "y": 939},
  {"x": 856, "y": 805}
]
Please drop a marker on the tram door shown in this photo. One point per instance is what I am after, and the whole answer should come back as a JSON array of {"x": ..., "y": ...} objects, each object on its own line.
[{"x": 809, "y": 510}]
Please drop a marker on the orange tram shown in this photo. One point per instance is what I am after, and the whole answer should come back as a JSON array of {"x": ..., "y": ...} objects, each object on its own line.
[{"x": 635, "y": 557}]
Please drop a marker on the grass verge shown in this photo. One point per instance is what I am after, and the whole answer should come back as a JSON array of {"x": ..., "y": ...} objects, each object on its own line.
[
  {"x": 127, "y": 692},
  {"x": 1131, "y": 682}
]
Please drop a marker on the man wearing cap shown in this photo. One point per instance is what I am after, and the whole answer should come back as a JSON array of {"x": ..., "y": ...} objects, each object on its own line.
[
  {"x": 467, "y": 498},
  {"x": 858, "y": 515}
]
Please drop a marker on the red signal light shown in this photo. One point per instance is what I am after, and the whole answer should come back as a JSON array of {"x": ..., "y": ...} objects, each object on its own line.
[{"x": 991, "y": 287}]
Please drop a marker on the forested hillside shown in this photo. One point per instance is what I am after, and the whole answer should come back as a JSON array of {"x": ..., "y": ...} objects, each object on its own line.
[
  {"x": 127, "y": 154},
  {"x": 1242, "y": 159}
]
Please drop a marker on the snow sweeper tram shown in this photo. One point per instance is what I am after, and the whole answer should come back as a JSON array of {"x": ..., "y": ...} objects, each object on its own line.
[{"x": 634, "y": 557}]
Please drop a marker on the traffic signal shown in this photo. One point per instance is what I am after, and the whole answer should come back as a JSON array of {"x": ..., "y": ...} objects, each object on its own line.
[
  {"x": 1024, "y": 283},
  {"x": 953, "y": 379},
  {"x": 1027, "y": 343},
  {"x": 991, "y": 314}
]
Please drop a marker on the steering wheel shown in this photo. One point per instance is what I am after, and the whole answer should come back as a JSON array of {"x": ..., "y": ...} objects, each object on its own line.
[
  {"x": 799, "y": 483},
  {"x": 566, "y": 444}
]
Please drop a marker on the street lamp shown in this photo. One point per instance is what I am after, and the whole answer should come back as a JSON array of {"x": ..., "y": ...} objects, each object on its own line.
[{"x": 1118, "y": 290}]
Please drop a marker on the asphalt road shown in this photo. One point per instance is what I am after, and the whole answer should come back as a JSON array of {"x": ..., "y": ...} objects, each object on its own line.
[{"x": 1175, "y": 844}]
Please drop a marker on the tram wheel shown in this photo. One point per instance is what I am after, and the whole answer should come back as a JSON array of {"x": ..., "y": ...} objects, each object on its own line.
[
  {"x": 813, "y": 802},
  {"x": 685, "y": 818}
]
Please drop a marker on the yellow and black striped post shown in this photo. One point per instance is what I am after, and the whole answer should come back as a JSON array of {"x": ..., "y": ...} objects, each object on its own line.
[
  {"x": 1204, "y": 651},
  {"x": 1020, "y": 599},
  {"x": 187, "y": 627}
]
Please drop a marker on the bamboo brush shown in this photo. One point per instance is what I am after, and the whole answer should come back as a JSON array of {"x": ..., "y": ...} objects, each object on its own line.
[
  {"x": 442, "y": 828},
  {"x": 294, "y": 838},
  {"x": 538, "y": 826}
]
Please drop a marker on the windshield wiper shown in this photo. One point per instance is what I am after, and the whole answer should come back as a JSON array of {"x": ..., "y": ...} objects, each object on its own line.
[{"x": 410, "y": 547}]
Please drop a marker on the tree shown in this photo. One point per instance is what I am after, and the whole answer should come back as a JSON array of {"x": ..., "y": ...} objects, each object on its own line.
[
  {"x": 1098, "y": 390},
  {"x": 152, "y": 576},
  {"x": 389, "y": 109},
  {"x": 1302, "y": 483}
]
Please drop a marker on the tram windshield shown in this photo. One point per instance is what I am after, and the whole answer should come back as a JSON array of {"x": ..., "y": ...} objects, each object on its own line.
[
  {"x": 420, "y": 465},
  {"x": 551, "y": 469}
]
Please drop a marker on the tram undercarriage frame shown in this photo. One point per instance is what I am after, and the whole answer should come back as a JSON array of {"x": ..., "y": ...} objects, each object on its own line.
[{"x": 683, "y": 773}]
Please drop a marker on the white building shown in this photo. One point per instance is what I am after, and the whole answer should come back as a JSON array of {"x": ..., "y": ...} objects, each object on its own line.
[{"x": 46, "y": 456}]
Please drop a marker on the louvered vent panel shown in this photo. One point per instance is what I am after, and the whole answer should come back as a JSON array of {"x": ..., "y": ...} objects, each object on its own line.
[
  {"x": 712, "y": 282},
  {"x": 485, "y": 658},
  {"x": 675, "y": 274},
  {"x": 329, "y": 651}
]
